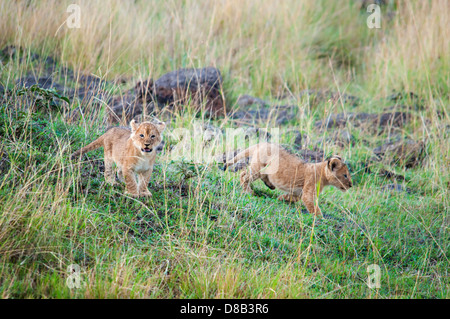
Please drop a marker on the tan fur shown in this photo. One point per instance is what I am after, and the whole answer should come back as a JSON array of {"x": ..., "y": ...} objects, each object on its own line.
[
  {"x": 280, "y": 169},
  {"x": 127, "y": 149}
]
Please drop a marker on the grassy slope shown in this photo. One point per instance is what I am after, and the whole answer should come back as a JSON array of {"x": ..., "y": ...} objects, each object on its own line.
[{"x": 201, "y": 237}]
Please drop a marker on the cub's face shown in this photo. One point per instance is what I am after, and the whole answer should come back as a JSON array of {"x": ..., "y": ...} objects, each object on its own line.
[
  {"x": 147, "y": 136},
  {"x": 339, "y": 175}
]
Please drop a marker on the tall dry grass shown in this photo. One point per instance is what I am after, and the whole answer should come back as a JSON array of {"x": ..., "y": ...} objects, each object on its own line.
[
  {"x": 414, "y": 53},
  {"x": 262, "y": 47}
]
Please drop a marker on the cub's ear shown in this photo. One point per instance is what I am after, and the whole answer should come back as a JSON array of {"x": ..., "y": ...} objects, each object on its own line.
[
  {"x": 160, "y": 126},
  {"x": 134, "y": 126},
  {"x": 334, "y": 163}
]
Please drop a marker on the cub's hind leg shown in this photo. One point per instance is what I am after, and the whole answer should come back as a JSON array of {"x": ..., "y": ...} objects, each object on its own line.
[
  {"x": 248, "y": 177},
  {"x": 292, "y": 197},
  {"x": 309, "y": 198},
  {"x": 289, "y": 198}
]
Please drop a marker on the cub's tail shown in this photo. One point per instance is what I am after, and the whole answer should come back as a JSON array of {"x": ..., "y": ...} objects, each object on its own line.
[
  {"x": 244, "y": 154},
  {"x": 92, "y": 146}
]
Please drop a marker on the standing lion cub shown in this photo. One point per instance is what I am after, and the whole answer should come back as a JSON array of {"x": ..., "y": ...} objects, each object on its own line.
[
  {"x": 277, "y": 168},
  {"x": 133, "y": 151}
]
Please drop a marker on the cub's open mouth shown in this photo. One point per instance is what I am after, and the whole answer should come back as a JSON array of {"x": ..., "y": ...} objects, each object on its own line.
[{"x": 147, "y": 150}]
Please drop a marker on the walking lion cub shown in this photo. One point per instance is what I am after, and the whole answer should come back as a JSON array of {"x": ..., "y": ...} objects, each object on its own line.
[
  {"x": 277, "y": 168},
  {"x": 133, "y": 151}
]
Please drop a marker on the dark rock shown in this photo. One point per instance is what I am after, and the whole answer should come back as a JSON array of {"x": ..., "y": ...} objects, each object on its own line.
[
  {"x": 43, "y": 82},
  {"x": 334, "y": 120},
  {"x": 298, "y": 139},
  {"x": 343, "y": 138},
  {"x": 200, "y": 85},
  {"x": 311, "y": 156},
  {"x": 89, "y": 90},
  {"x": 127, "y": 107},
  {"x": 285, "y": 113},
  {"x": 131, "y": 104},
  {"x": 366, "y": 3},
  {"x": 396, "y": 187},
  {"x": 394, "y": 119},
  {"x": 92, "y": 96},
  {"x": 346, "y": 137},
  {"x": 143, "y": 91},
  {"x": 391, "y": 175},
  {"x": 406, "y": 153},
  {"x": 4, "y": 161},
  {"x": 281, "y": 114},
  {"x": 50, "y": 60},
  {"x": 374, "y": 121},
  {"x": 89, "y": 81},
  {"x": 366, "y": 167},
  {"x": 209, "y": 133},
  {"x": 160, "y": 147},
  {"x": 397, "y": 96},
  {"x": 410, "y": 98},
  {"x": 8, "y": 53},
  {"x": 240, "y": 165},
  {"x": 171, "y": 89},
  {"x": 321, "y": 96},
  {"x": 254, "y": 110},
  {"x": 256, "y": 135},
  {"x": 245, "y": 101},
  {"x": 11, "y": 52},
  {"x": 225, "y": 157}
]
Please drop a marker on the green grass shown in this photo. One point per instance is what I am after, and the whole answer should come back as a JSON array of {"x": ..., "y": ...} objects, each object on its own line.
[{"x": 201, "y": 237}]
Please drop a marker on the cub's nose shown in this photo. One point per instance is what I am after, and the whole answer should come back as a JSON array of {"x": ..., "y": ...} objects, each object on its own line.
[
  {"x": 147, "y": 144},
  {"x": 350, "y": 184}
]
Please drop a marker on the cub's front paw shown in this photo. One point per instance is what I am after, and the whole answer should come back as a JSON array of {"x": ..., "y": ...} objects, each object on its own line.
[
  {"x": 145, "y": 194},
  {"x": 288, "y": 198},
  {"x": 132, "y": 194}
]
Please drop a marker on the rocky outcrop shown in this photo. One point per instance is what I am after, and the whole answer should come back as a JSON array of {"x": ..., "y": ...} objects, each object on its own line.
[{"x": 200, "y": 88}]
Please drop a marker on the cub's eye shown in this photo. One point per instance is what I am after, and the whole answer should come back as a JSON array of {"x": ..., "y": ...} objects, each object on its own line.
[
  {"x": 345, "y": 175},
  {"x": 142, "y": 135},
  {"x": 153, "y": 136}
]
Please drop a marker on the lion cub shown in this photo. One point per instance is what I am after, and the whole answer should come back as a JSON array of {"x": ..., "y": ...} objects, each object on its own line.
[
  {"x": 277, "y": 168},
  {"x": 133, "y": 151}
]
